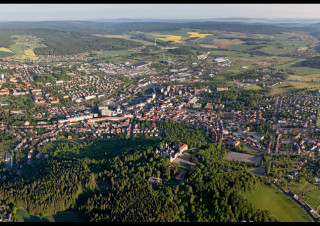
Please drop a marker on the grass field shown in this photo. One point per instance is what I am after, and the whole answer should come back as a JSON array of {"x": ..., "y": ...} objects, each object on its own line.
[
  {"x": 311, "y": 191},
  {"x": 24, "y": 216},
  {"x": 313, "y": 198},
  {"x": 241, "y": 47},
  {"x": 290, "y": 86},
  {"x": 281, "y": 207},
  {"x": 253, "y": 87},
  {"x": 298, "y": 70},
  {"x": 209, "y": 46},
  {"x": 5, "y": 54},
  {"x": 117, "y": 53},
  {"x": 300, "y": 188},
  {"x": 286, "y": 43},
  {"x": 305, "y": 78},
  {"x": 232, "y": 54}
]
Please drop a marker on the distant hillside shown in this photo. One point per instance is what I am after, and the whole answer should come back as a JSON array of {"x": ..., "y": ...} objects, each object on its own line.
[
  {"x": 67, "y": 42},
  {"x": 123, "y": 27},
  {"x": 72, "y": 37}
]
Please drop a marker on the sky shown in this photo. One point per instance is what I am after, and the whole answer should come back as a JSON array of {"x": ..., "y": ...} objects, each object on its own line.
[{"x": 38, "y": 12}]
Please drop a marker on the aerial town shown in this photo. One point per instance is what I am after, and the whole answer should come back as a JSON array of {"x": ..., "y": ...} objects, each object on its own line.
[{"x": 179, "y": 121}]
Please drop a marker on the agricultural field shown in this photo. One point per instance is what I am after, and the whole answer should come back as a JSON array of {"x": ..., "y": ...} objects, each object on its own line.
[
  {"x": 5, "y": 54},
  {"x": 197, "y": 35},
  {"x": 281, "y": 207},
  {"x": 169, "y": 38},
  {"x": 29, "y": 54},
  {"x": 209, "y": 46},
  {"x": 285, "y": 43},
  {"x": 24, "y": 46},
  {"x": 235, "y": 35},
  {"x": 298, "y": 70},
  {"x": 226, "y": 43},
  {"x": 3, "y": 49},
  {"x": 279, "y": 44}
]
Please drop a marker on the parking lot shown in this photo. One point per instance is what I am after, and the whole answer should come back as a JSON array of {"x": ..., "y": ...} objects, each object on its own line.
[{"x": 241, "y": 157}]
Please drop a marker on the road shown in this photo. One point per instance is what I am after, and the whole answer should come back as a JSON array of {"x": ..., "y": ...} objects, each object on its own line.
[
  {"x": 27, "y": 75},
  {"x": 275, "y": 116}
]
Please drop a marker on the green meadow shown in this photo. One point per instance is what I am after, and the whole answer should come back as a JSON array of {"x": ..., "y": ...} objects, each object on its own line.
[
  {"x": 24, "y": 216},
  {"x": 281, "y": 207}
]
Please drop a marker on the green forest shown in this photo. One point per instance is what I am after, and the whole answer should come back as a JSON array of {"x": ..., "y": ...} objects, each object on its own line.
[{"x": 107, "y": 181}]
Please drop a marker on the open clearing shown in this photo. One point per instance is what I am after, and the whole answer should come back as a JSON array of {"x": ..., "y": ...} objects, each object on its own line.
[
  {"x": 280, "y": 206},
  {"x": 24, "y": 216},
  {"x": 258, "y": 170},
  {"x": 184, "y": 159},
  {"x": 241, "y": 157},
  {"x": 302, "y": 48}
]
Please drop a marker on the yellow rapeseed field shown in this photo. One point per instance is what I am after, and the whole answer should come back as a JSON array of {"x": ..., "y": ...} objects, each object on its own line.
[
  {"x": 30, "y": 54},
  {"x": 173, "y": 38},
  {"x": 2, "y": 49},
  {"x": 197, "y": 35}
]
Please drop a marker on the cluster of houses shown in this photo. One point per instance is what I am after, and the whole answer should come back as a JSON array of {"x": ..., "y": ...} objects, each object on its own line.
[
  {"x": 295, "y": 171},
  {"x": 164, "y": 104}
]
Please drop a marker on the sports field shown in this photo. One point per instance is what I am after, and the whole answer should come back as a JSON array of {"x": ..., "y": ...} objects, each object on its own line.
[{"x": 280, "y": 206}]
